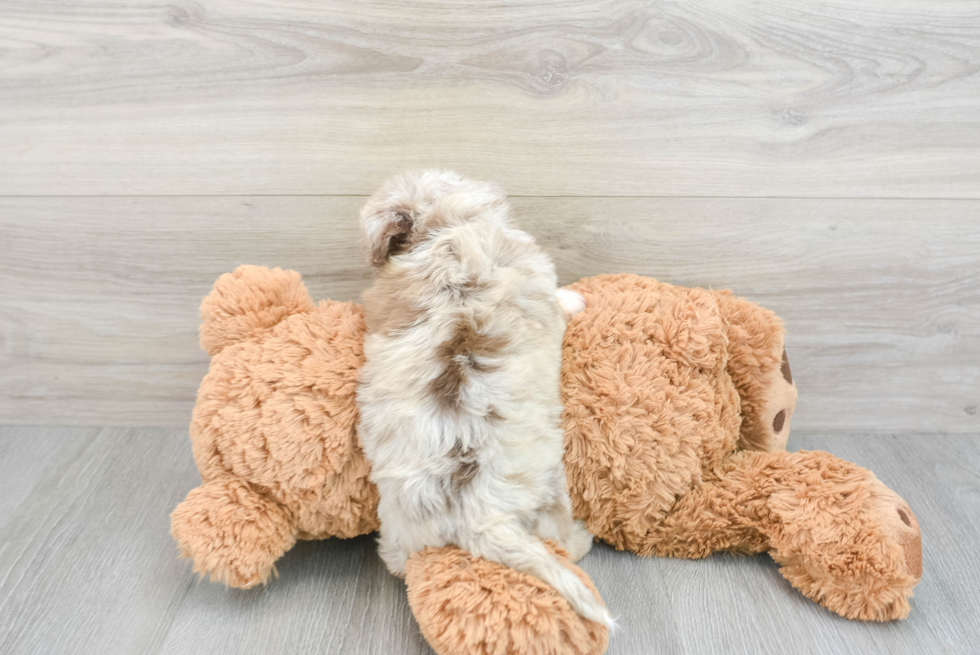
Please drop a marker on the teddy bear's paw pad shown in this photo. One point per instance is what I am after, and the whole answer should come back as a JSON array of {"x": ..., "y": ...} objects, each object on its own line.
[
  {"x": 785, "y": 370},
  {"x": 902, "y": 528},
  {"x": 781, "y": 403},
  {"x": 467, "y": 605},
  {"x": 767, "y": 421}
]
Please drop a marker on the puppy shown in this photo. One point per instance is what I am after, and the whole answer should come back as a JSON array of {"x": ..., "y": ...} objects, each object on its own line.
[{"x": 459, "y": 399}]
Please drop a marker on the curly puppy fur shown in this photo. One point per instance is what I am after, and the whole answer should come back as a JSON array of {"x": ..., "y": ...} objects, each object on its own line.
[{"x": 459, "y": 398}]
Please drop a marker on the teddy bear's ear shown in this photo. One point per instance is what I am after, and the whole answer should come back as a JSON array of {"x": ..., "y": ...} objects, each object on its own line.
[{"x": 249, "y": 302}]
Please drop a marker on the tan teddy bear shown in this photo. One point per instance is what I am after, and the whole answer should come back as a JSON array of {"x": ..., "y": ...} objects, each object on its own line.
[{"x": 677, "y": 408}]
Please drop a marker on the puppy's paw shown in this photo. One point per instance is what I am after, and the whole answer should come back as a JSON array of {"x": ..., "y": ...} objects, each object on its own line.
[
  {"x": 571, "y": 302},
  {"x": 579, "y": 542},
  {"x": 393, "y": 555}
]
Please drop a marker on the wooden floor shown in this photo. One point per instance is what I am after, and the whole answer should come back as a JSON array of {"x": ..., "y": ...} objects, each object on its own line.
[
  {"x": 87, "y": 566},
  {"x": 821, "y": 158}
]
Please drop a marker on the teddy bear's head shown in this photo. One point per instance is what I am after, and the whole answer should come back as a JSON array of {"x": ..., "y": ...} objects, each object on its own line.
[{"x": 276, "y": 409}]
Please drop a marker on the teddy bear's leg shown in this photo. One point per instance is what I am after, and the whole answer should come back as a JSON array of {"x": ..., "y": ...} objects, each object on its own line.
[
  {"x": 759, "y": 368},
  {"x": 841, "y": 537},
  {"x": 231, "y": 533},
  {"x": 467, "y": 605}
]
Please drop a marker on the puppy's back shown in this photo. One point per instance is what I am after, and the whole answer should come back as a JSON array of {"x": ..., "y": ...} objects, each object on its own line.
[{"x": 463, "y": 308}]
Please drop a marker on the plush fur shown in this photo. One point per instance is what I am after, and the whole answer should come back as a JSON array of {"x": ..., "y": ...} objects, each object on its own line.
[
  {"x": 466, "y": 604},
  {"x": 663, "y": 423},
  {"x": 273, "y": 431},
  {"x": 671, "y": 448},
  {"x": 458, "y": 397}
]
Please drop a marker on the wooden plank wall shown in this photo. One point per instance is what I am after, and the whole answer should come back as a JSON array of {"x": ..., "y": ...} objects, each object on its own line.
[
  {"x": 579, "y": 97},
  {"x": 821, "y": 159}
]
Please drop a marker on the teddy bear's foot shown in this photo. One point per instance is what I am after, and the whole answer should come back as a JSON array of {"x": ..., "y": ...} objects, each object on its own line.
[
  {"x": 467, "y": 605},
  {"x": 759, "y": 368},
  {"x": 858, "y": 555},
  {"x": 840, "y": 536},
  {"x": 231, "y": 533}
]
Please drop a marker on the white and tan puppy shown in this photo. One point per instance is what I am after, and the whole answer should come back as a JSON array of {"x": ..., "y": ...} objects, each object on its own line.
[{"x": 459, "y": 399}]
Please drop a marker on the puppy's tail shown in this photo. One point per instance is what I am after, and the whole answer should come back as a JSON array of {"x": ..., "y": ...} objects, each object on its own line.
[{"x": 512, "y": 545}]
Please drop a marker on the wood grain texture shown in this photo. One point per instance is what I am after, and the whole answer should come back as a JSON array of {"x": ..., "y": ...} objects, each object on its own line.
[
  {"x": 99, "y": 296},
  {"x": 27, "y": 454},
  {"x": 330, "y": 597},
  {"x": 584, "y": 97},
  {"x": 87, "y": 566}
]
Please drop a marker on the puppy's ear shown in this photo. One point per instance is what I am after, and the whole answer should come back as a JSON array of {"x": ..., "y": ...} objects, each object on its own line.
[{"x": 387, "y": 233}]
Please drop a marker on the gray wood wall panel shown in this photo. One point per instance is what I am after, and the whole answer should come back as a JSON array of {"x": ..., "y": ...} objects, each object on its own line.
[
  {"x": 877, "y": 98},
  {"x": 87, "y": 566},
  {"x": 99, "y": 296}
]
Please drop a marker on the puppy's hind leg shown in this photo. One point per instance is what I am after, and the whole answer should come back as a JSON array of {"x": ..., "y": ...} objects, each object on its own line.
[
  {"x": 556, "y": 522},
  {"x": 404, "y": 530},
  {"x": 579, "y": 541},
  {"x": 393, "y": 554}
]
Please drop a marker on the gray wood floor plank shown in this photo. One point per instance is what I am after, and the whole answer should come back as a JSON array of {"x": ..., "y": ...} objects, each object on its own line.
[
  {"x": 99, "y": 296},
  {"x": 87, "y": 563},
  {"x": 88, "y": 566},
  {"x": 879, "y": 98},
  {"x": 27, "y": 454},
  {"x": 330, "y": 597}
]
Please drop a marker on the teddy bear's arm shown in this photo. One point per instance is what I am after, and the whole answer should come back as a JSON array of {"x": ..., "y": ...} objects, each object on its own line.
[
  {"x": 841, "y": 537},
  {"x": 232, "y": 534}
]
